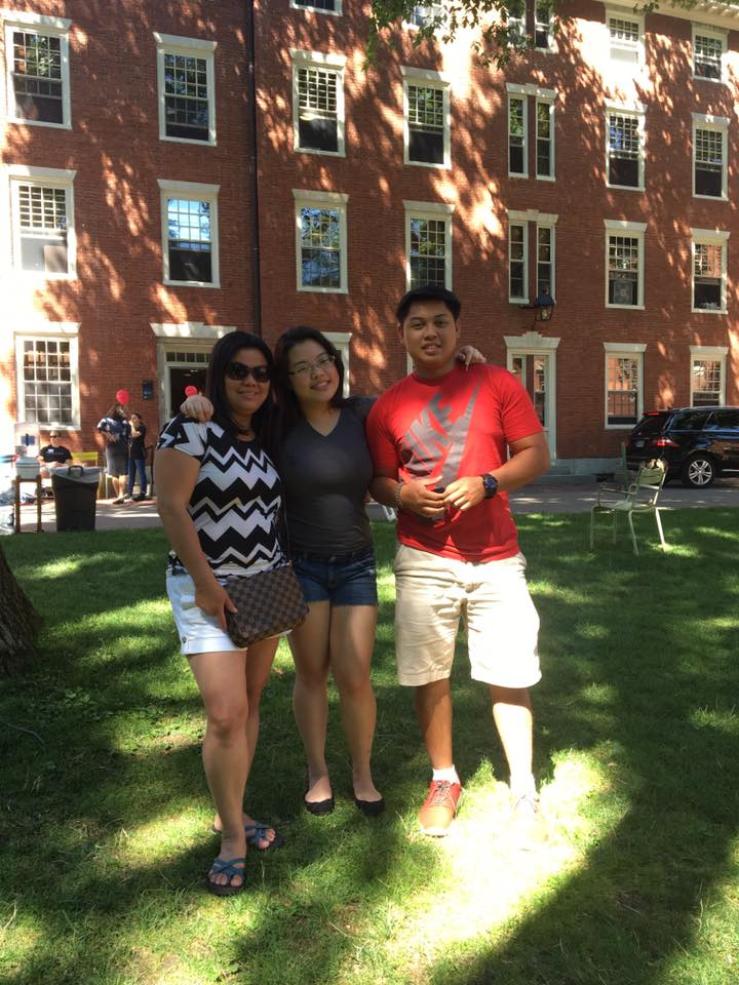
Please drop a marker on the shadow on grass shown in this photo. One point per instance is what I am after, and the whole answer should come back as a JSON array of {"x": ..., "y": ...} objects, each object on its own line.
[{"x": 624, "y": 677}]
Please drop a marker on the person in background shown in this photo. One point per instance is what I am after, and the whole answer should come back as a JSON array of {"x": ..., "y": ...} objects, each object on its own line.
[
  {"x": 115, "y": 429},
  {"x": 54, "y": 454},
  {"x": 137, "y": 458}
]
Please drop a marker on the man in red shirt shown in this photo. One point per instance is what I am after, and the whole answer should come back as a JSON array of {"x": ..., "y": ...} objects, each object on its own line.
[{"x": 448, "y": 443}]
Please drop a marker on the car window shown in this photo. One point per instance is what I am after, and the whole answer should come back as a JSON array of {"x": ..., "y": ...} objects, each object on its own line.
[
  {"x": 650, "y": 424},
  {"x": 690, "y": 420},
  {"x": 728, "y": 418}
]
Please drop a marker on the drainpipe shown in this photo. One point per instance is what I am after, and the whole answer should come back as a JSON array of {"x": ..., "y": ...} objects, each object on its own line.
[{"x": 253, "y": 176}]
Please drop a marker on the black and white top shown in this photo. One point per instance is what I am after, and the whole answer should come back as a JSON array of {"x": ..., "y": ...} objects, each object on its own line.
[{"x": 235, "y": 504}]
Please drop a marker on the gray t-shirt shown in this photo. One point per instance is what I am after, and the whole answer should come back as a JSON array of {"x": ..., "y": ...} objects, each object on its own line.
[{"x": 325, "y": 480}]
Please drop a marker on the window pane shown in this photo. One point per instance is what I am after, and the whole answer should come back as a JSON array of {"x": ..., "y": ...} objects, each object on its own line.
[
  {"x": 320, "y": 248},
  {"x": 189, "y": 235},
  {"x": 428, "y": 252},
  {"x": 516, "y": 136},
  {"x": 709, "y": 163},
  {"x": 318, "y": 102},
  {"x": 426, "y": 124},
  {"x": 37, "y": 77},
  {"x": 707, "y": 276},
  {"x": 623, "y": 270},
  {"x": 623, "y": 150},
  {"x": 623, "y": 389},
  {"x": 186, "y": 97},
  {"x": 47, "y": 397},
  {"x": 707, "y": 57}
]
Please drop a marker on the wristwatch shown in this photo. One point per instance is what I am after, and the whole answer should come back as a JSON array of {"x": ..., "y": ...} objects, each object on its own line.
[{"x": 489, "y": 484}]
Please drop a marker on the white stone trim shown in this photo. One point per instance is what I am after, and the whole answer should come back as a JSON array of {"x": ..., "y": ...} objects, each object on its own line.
[
  {"x": 318, "y": 10},
  {"x": 327, "y": 198},
  {"x": 190, "y": 330}
]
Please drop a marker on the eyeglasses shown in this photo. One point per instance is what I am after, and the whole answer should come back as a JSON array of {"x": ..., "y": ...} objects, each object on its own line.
[
  {"x": 323, "y": 362},
  {"x": 240, "y": 371}
]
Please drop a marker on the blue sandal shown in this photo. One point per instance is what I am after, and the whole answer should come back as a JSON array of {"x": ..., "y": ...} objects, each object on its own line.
[
  {"x": 230, "y": 868},
  {"x": 256, "y": 832}
]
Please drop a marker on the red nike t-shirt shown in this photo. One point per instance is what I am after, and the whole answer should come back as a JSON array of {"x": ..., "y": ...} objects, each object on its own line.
[{"x": 440, "y": 430}]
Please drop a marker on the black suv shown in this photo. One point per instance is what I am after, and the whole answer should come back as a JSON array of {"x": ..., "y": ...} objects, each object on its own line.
[{"x": 696, "y": 443}]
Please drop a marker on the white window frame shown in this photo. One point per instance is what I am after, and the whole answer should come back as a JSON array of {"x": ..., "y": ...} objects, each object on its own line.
[
  {"x": 716, "y": 34},
  {"x": 342, "y": 341},
  {"x": 337, "y": 201},
  {"x": 21, "y": 174},
  {"x": 718, "y": 124},
  {"x": 318, "y": 10},
  {"x": 523, "y": 98},
  {"x": 195, "y": 192},
  {"x": 636, "y": 111},
  {"x": 545, "y": 221},
  {"x": 326, "y": 62},
  {"x": 170, "y": 44},
  {"x": 542, "y": 100},
  {"x": 426, "y": 79},
  {"x": 520, "y": 219},
  {"x": 709, "y": 237},
  {"x": 437, "y": 211},
  {"x": 49, "y": 331},
  {"x": 436, "y": 10},
  {"x": 714, "y": 353},
  {"x": 633, "y": 230},
  {"x": 638, "y": 46},
  {"x": 19, "y": 20},
  {"x": 549, "y": 28},
  {"x": 624, "y": 350}
]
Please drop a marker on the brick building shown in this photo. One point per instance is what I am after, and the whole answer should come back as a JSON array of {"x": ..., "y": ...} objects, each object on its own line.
[{"x": 176, "y": 169}]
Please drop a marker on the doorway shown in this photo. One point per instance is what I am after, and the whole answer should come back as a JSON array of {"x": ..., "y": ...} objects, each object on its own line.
[
  {"x": 536, "y": 371},
  {"x": 183, "y": 367}
]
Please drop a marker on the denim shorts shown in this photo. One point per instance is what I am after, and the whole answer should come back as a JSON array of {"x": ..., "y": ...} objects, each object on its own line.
[{"x": 346, "y": 579}]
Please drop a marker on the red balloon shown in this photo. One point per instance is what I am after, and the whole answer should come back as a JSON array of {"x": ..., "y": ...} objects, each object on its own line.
[
  {"x": 122, "y": 397},
  {"x": 191, "y": 391}
]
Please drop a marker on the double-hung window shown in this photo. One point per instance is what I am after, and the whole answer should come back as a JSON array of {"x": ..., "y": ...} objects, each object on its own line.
[
  {"x": 709, "y": 53},
  {"x": 321, "y": 241},
  {"x": 518, "y": 144},
  {"x": 427, "y": 118},
  {"x": 37, "y": 61},
  {"x": 324, "y": 6},
  {"x": 424, "y": 14},
  {"x": 318, "y": 102},
  {"x": 542, "y": 25},
  {"x": 42, "y": 202},
  {"x": 544, "y": 138},
  {"x": 545, "y": 256},
  {"x": 46, "y": 373},
  {"x": 707, "y": 375},
  {"x": 624, "y": 383},
  {"x": 186, "y": 81},
  {"x": 428, "y": 237},
  {"x": 518, "y": 257},
  {"x": 709, "y": 270},
  {"x": 625, "y": 41},
  {"x": 190, "y": 233},
  {"x": 624, "y": 263},
  {"x": 709, "y": 155},
  {"x": 625, "y": 148}
]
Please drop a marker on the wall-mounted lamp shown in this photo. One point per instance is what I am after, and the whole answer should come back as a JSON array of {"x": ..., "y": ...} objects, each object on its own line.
[{"x": 543, "y": 307}]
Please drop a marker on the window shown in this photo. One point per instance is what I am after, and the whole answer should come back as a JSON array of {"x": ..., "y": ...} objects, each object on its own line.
[
  {"x": 626, "y": 46},
  {"x": 709, "y": 155},
  {"x": 43, "y": 221},
  {"x": 517, "y": 21},
  {"x": 625, "y": 151},
  {"x": 542, "y": 25},
  {"x": 428, "y": 244},
  {"x": 518, "y": 261},
  {"x": 46, "y": 368},
  {"x": 624, "y": 385},
  {"x": 545, "y": 260},
  {"x": 190, "y": 233},
  {"x": 427, "y": 118},
  {"x": 186, "y": 78},
  {"x": 544, "y": 138},
  {"x": 321, "y": 250},
  {"x": 709, "y": 50},
  {"x": 324, "y": 6},
  {"x": 624, "y": 264},
  {"x": 709, "y": 270},
  {"x": 37, "y": 58},
  {"x": 707, "y": 375},
  {"x": 424, "y": 14},
  {"x": 517, "y": 136},
  {"x": 318, "y": 102}
]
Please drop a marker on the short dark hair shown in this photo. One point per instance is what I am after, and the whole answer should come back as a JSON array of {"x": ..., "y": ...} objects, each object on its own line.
[
  {"x": 288, "y": 407},
  {"x": 221, "y": 355},
  {"x": 428, "y": 293}
]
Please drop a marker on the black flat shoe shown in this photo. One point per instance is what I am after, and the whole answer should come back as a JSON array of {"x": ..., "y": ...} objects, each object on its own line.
[
  {"x": 319, "y": 807},
  {"x": 370, "y": 808}
]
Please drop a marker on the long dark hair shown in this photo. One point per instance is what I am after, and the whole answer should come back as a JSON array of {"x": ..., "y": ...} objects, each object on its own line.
[
  {"x": 288, "y": 412},
  {"x": 222, "y": 354}
]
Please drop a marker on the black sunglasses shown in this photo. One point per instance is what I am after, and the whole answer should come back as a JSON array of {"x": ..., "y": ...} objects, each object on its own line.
[{"x": 240, "y": 371}]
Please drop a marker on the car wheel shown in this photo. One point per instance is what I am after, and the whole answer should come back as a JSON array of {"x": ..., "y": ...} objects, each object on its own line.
[{"x": 698, "y": 471}]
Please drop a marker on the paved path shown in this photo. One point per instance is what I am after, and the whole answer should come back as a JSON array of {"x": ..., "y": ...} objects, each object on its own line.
[{"x": 542, "y": 497}]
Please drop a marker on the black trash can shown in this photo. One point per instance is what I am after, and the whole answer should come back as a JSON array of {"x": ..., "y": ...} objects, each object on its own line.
[{"x": 75, "y": 492}]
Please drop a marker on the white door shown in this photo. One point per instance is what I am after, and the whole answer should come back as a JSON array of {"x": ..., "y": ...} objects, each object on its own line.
[{"x": 536, "y": 373}]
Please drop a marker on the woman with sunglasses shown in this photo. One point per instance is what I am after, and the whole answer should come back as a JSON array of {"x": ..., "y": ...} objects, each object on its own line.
[{"x": 219, "y": 498}]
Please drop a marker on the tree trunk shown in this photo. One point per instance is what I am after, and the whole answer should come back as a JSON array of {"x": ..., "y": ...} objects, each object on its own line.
[{"x": 19, "y": 623}]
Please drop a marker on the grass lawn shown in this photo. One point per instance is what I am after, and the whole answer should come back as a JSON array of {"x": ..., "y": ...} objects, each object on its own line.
[{"x": 104, "y": 814}]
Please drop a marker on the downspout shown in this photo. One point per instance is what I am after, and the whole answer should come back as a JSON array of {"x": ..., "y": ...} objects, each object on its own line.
[{"x": 253, "y": 177}]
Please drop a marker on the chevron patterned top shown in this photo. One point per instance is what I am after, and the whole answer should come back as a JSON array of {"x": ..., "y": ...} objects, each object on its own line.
[{"x": 236, "y": 502}]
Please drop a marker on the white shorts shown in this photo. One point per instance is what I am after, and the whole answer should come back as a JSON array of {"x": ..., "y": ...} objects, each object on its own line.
[
  {"x": 432, "y": 592},
  {"x": 198, "y": 633}
]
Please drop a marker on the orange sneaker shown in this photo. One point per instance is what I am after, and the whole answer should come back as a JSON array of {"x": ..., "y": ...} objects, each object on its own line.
[{"x": 439, "y": 808}]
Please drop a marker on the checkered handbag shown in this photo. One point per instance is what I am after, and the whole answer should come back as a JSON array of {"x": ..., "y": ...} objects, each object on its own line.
[{"x": 269, "y": 603}]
